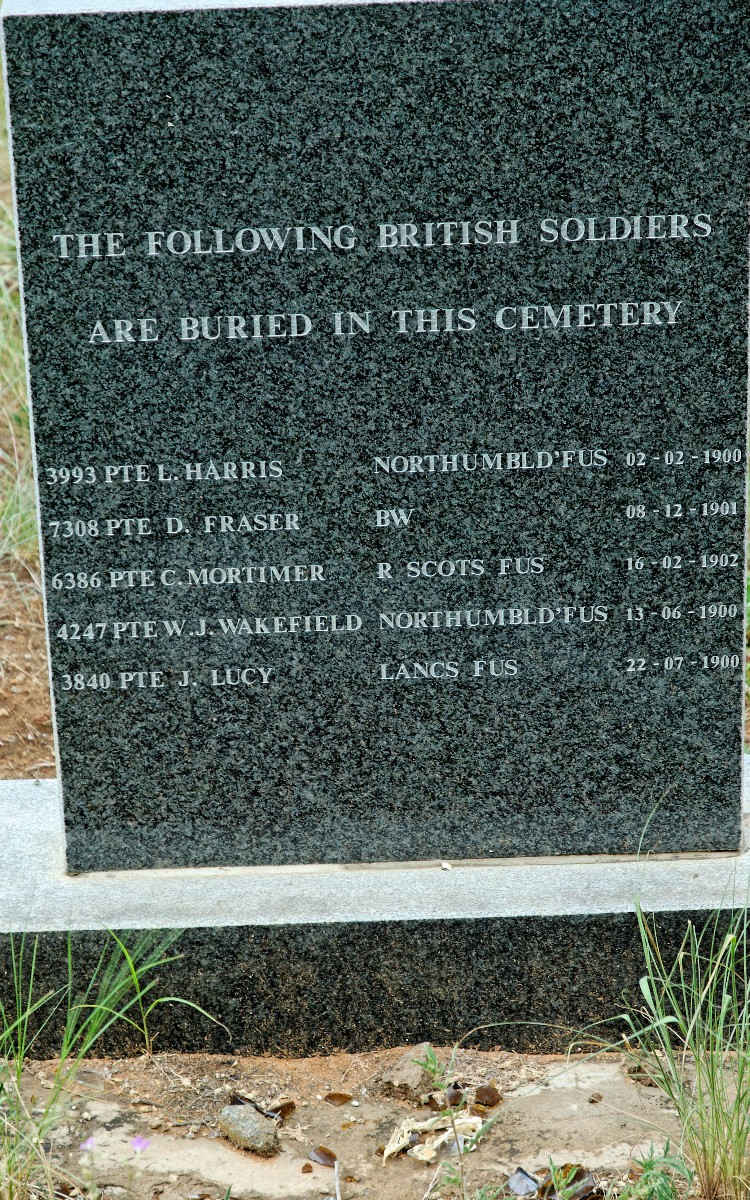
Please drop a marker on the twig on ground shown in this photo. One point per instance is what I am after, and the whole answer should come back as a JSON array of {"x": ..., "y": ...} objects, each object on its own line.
[{"x": 433, "y": 1181}]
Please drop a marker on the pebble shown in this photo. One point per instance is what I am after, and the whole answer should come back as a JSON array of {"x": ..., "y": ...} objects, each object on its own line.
[
  {"x": 247, "y": 1128},
  {"x": 405, "y": 1079}
]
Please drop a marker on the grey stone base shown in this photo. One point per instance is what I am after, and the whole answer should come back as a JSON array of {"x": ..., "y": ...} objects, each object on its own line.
[{"x": 36, "y": 893}]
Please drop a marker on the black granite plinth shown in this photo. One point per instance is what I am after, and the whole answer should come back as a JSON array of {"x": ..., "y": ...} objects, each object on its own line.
[
  {"x": 313, "y": 989},
  {"x": 461, "y": 575}
]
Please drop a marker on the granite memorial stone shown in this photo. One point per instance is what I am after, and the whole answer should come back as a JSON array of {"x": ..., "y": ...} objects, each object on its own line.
[{"x": 388, "y": 378}]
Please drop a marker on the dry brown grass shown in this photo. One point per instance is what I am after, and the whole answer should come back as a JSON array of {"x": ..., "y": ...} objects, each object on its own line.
[{"x": 18, "y": 537}]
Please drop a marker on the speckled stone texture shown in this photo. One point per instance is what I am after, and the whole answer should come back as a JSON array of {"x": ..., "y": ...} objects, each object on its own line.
[
  {"x": 313, "y": 989},
  {"x": 361, "y": 115}
]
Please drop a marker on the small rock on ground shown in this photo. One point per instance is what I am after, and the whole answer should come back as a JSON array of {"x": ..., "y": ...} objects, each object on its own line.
[
  {"x": 248, "y": 1129},
  {"x": 405, "y": 1078}
]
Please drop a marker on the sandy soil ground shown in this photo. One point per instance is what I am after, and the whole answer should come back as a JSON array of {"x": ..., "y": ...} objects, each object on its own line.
[
  {"x": 148, "y": 1128},
  {"x": 26, "y": 750}
]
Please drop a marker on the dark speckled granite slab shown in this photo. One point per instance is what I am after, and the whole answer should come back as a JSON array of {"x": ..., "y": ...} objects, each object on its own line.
[
  {"x": 573, "y": 668},
  {"x": 312, "y": 989}
]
